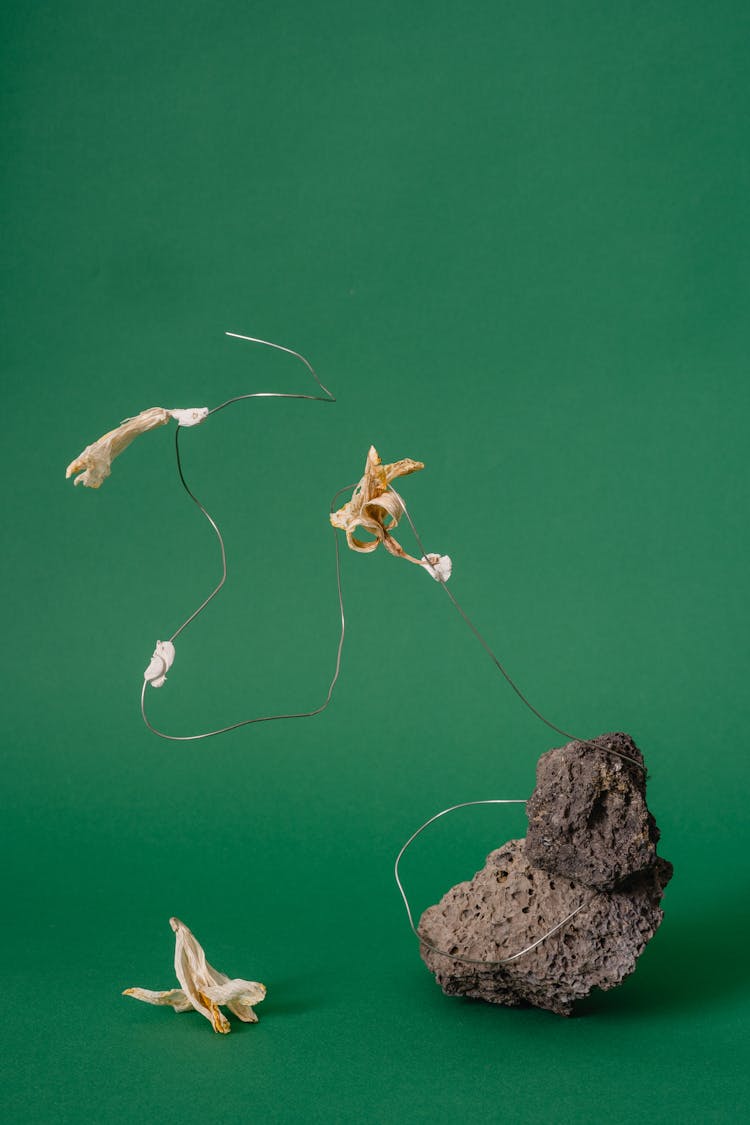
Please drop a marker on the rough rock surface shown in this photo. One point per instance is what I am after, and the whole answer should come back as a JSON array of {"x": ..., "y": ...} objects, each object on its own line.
[
  {"x": 588, "y": 818},
  {"x": 509, "y": 904},
  {"x": 592, "y": 805}
]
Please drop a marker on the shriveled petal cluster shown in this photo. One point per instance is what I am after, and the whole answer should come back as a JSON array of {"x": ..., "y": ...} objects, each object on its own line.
[
  {"x": 376, "y": 508},
  {"x": 203, "y": 987},
  {"x": 94, "y": 463}
]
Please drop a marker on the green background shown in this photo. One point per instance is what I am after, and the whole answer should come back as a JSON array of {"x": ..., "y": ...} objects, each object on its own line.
[{"x": 514, "y": 241}]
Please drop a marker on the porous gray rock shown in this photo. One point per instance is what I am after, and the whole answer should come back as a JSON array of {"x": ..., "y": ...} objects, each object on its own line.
[
  {"x": 601, "y": 858},
  {"x": 588, "y": 818},
  {"x": 509, "y": 904}
]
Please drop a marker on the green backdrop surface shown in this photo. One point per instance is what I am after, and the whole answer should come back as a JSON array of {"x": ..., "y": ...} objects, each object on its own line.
[{"x": 514, "y": 241}]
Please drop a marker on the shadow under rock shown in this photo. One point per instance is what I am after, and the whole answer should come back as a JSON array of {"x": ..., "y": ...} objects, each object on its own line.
[{"x": 682, "y": 971}]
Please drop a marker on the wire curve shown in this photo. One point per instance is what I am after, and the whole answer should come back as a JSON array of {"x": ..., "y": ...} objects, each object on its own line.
[
  {"x": 217, "y": 532},
  {"x": 442, "y": 952}
]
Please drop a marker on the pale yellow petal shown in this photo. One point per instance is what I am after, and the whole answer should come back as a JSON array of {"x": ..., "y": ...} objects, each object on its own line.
[
  {"x": 173, "y": 997},
  {"x": 94, "y": 462},
  {"x": 239, "y": 996},
  {"x": 207, "y": 988},
  {"x": 211, "y": 1010},
  {"x": 402, "y": 468},
  {"x": 243, "y": 1010},
  {"x": 371, "y": 526},
  {"x": 386, "y": 508}
]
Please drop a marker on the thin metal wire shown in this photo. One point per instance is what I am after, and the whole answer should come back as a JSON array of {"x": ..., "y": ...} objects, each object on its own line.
[
  {"x": 453, "y": 956},
  {"x": 259, "y": 718},
  {"x": 274, "y": 394},
  {"x": 337, "y": 669},
  {"x": 219, "y": 536},
  {"x": 558, "y": 730},
  {"x": 493, "y": 801}
]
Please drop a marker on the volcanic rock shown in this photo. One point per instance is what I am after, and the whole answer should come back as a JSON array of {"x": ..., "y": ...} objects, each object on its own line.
[
  {"x": 509, "y": 904},
  {"x": 588, "y": 818},
  {"x": 596, "y": 843}
]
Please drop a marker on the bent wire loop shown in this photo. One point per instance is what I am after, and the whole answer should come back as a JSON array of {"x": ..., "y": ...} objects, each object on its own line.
[
  {"x": 325, "y": 397},
  {"x": 454, "y": 956}
]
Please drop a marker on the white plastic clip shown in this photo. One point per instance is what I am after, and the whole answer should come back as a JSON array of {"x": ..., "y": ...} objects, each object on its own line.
[
  {"x": 191, "y": 417},
  {"x": 439, "y": 566},
  {"x": 161, "y": 662}
]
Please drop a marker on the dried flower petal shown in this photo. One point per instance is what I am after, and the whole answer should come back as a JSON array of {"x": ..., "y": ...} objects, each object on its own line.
[
  {"x": 374, "y": 506},
  {"x": 203, "y": 987},
  {"x": 97, "y": 457},
  {"x": 377, "y": 508},
  {"x": 174, "y": 997}
]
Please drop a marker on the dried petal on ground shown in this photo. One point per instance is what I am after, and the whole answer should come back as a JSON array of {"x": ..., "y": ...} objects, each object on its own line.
[
  {"x": 173, "y": 997},
  {"x": 203, "y": 988}
]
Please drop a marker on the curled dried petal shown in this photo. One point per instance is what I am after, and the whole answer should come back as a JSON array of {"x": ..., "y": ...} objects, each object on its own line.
[
  {"x": 94, "y": 462},
  {"x": 375, "y": 506},
  {"x": 203, "y": 987},
  {"x": 239, "y": 996}
]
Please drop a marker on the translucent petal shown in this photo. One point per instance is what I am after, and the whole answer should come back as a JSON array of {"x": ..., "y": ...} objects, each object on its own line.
[
  {"x": 174, "y": 997},
  {"x": 96, "y": 459},
  {"x": 205, "y": 986}
]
